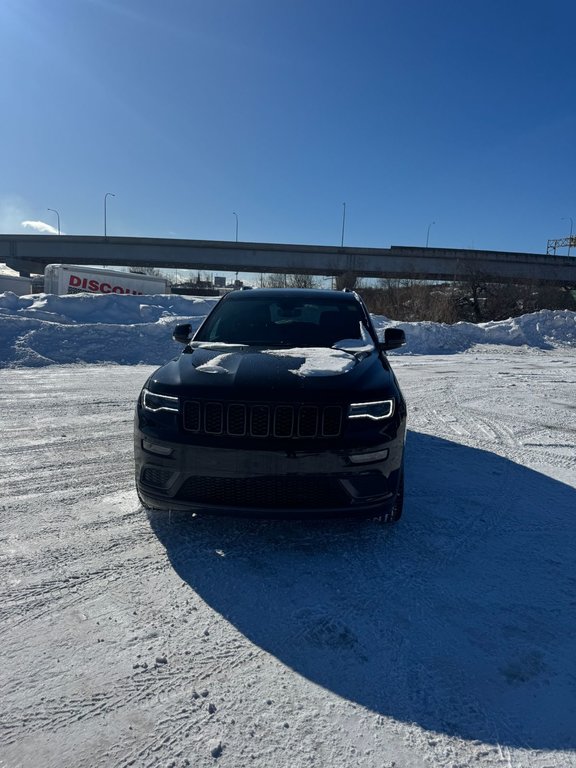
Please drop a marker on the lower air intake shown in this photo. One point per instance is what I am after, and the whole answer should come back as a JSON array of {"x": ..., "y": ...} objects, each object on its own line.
[{"x": 265, "y": 492}]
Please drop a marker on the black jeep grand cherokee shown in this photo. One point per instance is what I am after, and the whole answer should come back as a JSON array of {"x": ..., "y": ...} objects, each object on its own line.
[{"x": 284, "y": 404}]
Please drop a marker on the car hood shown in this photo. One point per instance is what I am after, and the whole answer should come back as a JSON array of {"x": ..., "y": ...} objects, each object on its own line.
[{"x": 257, "y": 371}]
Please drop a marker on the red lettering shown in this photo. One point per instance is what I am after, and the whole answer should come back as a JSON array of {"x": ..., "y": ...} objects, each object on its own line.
[{"x": 94, "y": 286}]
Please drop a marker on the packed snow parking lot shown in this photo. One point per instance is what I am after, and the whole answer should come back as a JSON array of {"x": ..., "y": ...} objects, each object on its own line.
[{"x": 172, "y": 640}]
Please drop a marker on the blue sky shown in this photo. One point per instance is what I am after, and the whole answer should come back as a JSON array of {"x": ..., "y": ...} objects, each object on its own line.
[{"x": 409, "y": 111}]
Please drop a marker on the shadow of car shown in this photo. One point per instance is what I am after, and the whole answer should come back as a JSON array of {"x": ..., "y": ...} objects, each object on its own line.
[{"x": 462, "y": 621}]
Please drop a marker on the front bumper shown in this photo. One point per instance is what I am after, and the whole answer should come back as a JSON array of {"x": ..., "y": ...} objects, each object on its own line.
[{"x": 270, "y": 483}]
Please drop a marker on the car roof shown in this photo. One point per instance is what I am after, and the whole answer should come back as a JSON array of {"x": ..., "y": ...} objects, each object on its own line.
[{"x": 301, "y": 293}]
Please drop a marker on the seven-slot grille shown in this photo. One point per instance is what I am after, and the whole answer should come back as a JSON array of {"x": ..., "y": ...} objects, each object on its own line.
[{"x": 262, "y": 419}]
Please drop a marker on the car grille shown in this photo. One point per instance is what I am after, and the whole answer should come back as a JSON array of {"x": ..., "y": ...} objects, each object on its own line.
[
  {"x": 266, "y": 492},
  {"x": 262, "y": 419},
  {"x": 158, "y": 477}
]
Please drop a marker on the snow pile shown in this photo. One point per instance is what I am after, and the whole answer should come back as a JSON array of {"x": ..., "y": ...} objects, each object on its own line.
[
  {"x": 98, "y": 328},
  {"x": 110, "y": 308},
  {"x": 546, "y": 329},
  {"x": 94, "y": 328}
]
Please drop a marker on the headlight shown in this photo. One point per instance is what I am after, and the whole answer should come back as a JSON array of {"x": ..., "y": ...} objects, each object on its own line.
[
  {"x": 153, "y": 402},
  {"x": 379, "y": 409}
]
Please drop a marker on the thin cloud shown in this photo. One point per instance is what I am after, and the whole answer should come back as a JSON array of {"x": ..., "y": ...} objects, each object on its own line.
[{"x": 40, "y": 226}]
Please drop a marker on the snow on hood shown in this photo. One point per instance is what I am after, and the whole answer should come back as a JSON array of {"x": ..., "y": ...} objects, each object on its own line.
[
  {"x": 320, "y": 361},
  {"x": 219, "y": 357},
  {"x": 317, "y": 361},
  {"x": 302, "y": 361},
  {"x": 97, "y": 328},
  {"x": 209, "y": 358}
]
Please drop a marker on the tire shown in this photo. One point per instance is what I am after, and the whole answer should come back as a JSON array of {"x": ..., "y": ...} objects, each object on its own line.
[{"x": 394, "y": 514}]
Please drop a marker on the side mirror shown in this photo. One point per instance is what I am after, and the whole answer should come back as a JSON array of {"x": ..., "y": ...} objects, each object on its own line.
[
  {"x": 182, "y": 333},
  {"x": 393, "y": 338}
]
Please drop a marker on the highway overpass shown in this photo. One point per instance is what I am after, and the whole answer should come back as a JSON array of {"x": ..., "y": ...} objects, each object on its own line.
[{"x": 30, "y": 253}]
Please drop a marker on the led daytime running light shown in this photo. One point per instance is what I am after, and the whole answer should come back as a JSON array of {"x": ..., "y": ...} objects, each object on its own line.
[
  {"x": 375, "y": 410},
  {"x": 155, "y": 402}
]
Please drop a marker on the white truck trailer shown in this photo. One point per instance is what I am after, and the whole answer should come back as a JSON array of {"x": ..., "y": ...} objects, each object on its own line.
[
  {"x": 60, "y": 279},
  {"x": 21, "y": 286}
]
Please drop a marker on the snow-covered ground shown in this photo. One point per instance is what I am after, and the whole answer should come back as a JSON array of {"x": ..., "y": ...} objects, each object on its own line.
[{"x": 133, "y": 640}]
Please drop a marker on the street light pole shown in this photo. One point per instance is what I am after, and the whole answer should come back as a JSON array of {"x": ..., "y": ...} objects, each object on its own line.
[
  {"x": 565, "y": 218},
  {"x": 106, "y": 196},
  {"x": 235, "y": 214},
  {"x": 428, "y": 233},
  {"x": 58, "y": 216},
  {"x": 343, "y": 224}
]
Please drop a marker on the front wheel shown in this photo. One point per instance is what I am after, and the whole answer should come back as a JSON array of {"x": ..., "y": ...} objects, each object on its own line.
[{"x": 394, "y": 513}]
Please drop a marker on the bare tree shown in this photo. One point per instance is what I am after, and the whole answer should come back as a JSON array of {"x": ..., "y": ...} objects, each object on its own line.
[
  {"x": 301, "y": 281},
  {"x": 472, "y": 299},
  {"x": 273, "y": 280}
]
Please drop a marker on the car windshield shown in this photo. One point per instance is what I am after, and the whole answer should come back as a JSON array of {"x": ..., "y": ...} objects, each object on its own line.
[{"x": 286, "y": 321}]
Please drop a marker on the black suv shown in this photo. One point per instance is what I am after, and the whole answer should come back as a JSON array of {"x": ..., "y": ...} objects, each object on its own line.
[{"x": 283, "y": 403}]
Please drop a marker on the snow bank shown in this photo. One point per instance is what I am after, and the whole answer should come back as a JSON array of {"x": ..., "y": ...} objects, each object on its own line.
[
  {"x": 546, "y": 329},
  {"x": 110, "y": 308},
  {"x": 96, "y": 328}
]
